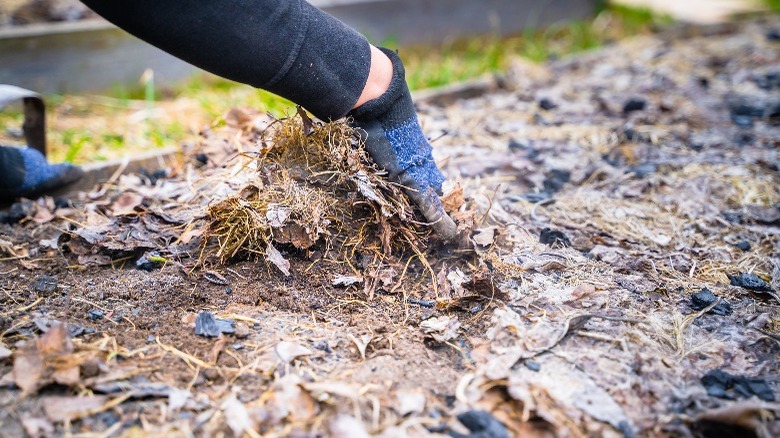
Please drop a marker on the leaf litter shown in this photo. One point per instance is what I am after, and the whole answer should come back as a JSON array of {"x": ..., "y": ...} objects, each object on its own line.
[{"x": 566, "y": 310}]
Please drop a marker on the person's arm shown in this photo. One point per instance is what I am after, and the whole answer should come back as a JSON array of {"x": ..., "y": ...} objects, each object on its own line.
[
  {"x": 295, "y": 50},
  {"x": 287, "y": 47}
]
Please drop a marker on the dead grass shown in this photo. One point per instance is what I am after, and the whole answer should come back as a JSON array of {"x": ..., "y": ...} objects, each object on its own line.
[{"x": 317, "y": 186}]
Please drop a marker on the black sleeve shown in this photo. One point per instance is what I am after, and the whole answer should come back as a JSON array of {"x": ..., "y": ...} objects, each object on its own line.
[{"x": 288, "y": 47}]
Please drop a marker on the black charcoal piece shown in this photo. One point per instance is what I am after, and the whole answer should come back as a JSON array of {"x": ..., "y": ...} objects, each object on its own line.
[
  {"x": 750, "y": 282},
  {"x": 704, "y": 298},
  {"x": 555, "y": 179},
  {"x": 553, "y": 238},
  {"x": 149, "y": 261},
  {"x": 729, "y": 386},
  {"x": 634, "y": 104},
  {"x": 482, "y": 424},
  {"x": 532, "y": 365},
  {"x": 744, "y": 245},
  {"x": 208, "y": 326},
  {"x": 17, "y": 212},
  {"x": 547, "y": 104},
  {"x": 45, "y": 285}
]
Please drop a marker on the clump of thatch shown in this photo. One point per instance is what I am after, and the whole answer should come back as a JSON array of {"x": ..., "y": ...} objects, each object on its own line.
[{"x": 315, "y": 185}]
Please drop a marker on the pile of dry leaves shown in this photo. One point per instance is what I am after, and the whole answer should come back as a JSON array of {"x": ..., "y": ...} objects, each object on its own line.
[{"x": 315, "y": 183}]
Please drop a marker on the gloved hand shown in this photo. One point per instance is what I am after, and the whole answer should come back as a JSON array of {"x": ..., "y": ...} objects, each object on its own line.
[
  {"x": 24, "y": 172},
  {"x": 395, "y": 141}
]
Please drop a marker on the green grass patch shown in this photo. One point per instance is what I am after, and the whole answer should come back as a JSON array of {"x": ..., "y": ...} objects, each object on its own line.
[
  {"x": 461, "y": 60},
  {"x": 217, "y": 94},
  {"x": 73, "y": 141},
  {"x": 773, "y": 4}
]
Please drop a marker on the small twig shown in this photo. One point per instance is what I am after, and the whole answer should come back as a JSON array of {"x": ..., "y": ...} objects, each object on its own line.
[
  {"x": 234, "y": 272},
  {"x": 688, "y": 320},
  {"x": 490, "y": 205},
  {"x": 13, "y": 327},
  {"x": 403, "y": 274},
  {"x": 187, "y": 358},
  {"x": 30, "y": 306},
  {"x": 215, "y": 278},
  {"x": 766, "y": 333},
  {"x": 108, "y": 405},
  {"x": 443, "y": 134},
  {"x": 537, "y": 204},
  {"x": 467, "y": 361},
  {"x": 603, "y": 337},
  {"x": 238, "y": 317},
  {"x": 617, "y": 318}
]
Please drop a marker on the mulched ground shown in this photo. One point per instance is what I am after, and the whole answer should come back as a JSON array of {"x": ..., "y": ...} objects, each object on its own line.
[
  {"x": 618, "y": 274},
  {"x": 21, "y": 12}
]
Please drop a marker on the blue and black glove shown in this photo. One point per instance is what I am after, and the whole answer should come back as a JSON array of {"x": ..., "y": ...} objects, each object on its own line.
[
  {"x": 24, "y": 172},
  {"x": 395, "y": 141}
]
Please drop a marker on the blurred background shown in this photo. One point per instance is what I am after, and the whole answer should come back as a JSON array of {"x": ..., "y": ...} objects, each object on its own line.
[{"x": 110, "y": 95}]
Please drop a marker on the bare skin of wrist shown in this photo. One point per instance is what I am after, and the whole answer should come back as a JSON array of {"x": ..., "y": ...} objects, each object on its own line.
[{"x": 379, "y": 76}]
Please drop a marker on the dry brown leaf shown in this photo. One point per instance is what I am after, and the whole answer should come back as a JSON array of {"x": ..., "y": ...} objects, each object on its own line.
[
  {"x": 747, "y": 414},
  {"x": 8, "y": 247},
  {"x": 346, "y": 426},
  {"x": 238, "y": 117},
  {"x": 466, "y": 220},
  {"x": 323, "y": 390},
  {"x": 296, "y": 235},
  {"x": 346, "y": 280},
  {"x": 582, "y": 291},
  {"x": 287, "y": 351},
  {"x": 67, "y": 376},
  {"x": 361, "y": 344},
  {"x": 28, "y": 372},
  {"x": 453, "y": 200},
  {"x": 485, "y": 236},
  {"x": 216, "y": 350},
  {"x": 276, "y": 215},
  {"x": 5, "y": 353},
  {"x": 291, "y": 401},
  {"x": 190, "y": 233},
  {"x": 126, "y": 203},
  {"x": 63, "y": 408},
  {"x": 445, "y": 288},
  {"x": 441, "y": 329},
  {"x": 274, "y": 256},
  {"x": 7, "y": 379},
  {"x": 42, "y": 214},
  {"x": 37, "y": 427},
  {"x": 482, "y": 283},
  {"x": 409, "y": 401},
  {"x": 607, "y": 254},
  {"x": 35, "y": 365},
  {"x": 366, "y": 189},
  {"x": 308, "y": 124},
  {"x": 570, "y": 389},
  {"x": 55, "y": 341},
  {"x": 237, "y": 416}
]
